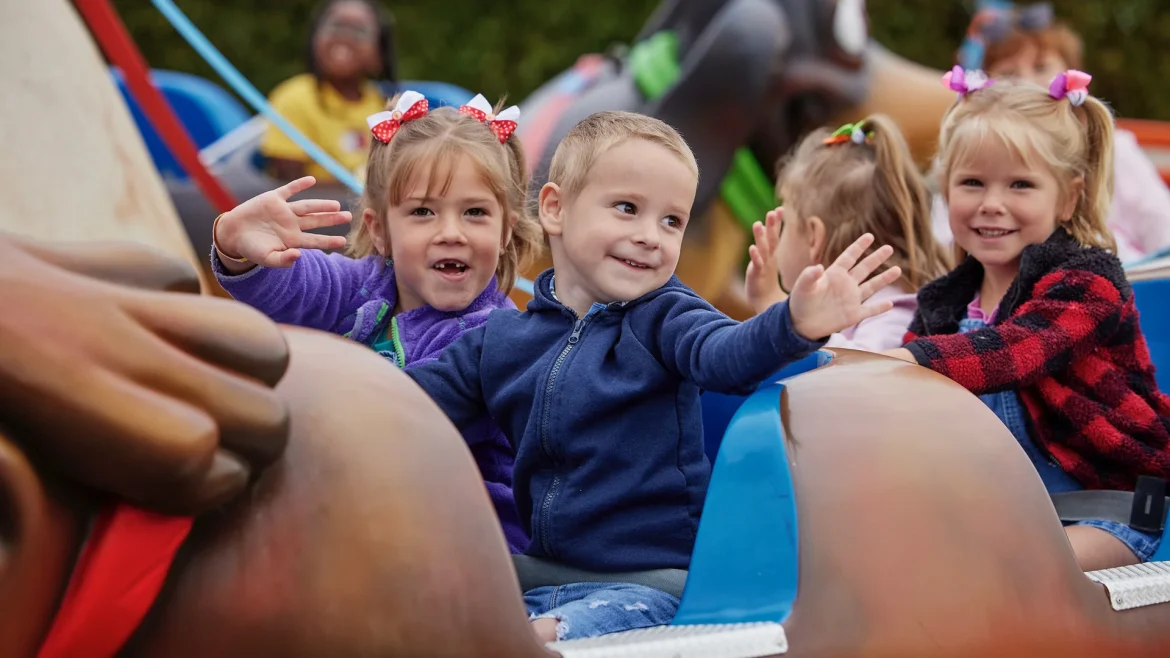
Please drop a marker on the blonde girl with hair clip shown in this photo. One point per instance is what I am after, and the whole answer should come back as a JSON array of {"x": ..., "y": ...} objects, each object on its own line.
[
  {"x": 1038, "y": 319},
  {"x": 837, "y": 187},
  {"x": 443, "y": 232},
  {"x": 1028, "y": 42}
]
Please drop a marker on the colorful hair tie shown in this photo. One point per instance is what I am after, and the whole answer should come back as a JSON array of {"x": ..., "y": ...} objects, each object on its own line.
[
  {"x": 850, "y": 132},
  {"x": 1072, "y": 84},
  {"x": 966, "y": 82},
  {"x": 502, "y": 124},
  {"x": 410, "y": 106}
]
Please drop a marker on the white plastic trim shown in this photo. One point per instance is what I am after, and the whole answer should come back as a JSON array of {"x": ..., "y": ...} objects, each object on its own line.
[
  {"x": 1135, "y": 586},
  {"x": 754, "y": 640}
]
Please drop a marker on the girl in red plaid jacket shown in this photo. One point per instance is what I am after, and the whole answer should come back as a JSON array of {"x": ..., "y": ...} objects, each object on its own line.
[{"x": 1038, "y": 319}]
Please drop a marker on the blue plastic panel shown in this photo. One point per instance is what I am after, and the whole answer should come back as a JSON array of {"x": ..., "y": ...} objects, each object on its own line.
[
  {"x": 745, "y": 565},
  {"x": 1153, "y": 303},
  {"x": 719, "y": 408},
  {"x": 1163, "y": 552}
]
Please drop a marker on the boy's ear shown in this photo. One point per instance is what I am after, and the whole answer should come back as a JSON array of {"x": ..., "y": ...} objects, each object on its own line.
[
  {"x": 1075, "y": 190},
  {"x": 551, "y": 207},
  {"x": 375, "y": 229},
  {"x": 815, "y": 229}
]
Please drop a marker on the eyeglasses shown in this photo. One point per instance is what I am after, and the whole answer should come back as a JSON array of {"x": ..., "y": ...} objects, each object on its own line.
[
  {"x": 994, "y": 21},
  {"x": 343, "y": 30}
]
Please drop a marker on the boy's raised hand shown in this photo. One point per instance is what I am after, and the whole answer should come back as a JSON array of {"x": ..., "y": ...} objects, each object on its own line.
[
  {"x": 269, "y": 229},
  {"x": 762, "y": 280},
  {"x": 825, "y": 301}
]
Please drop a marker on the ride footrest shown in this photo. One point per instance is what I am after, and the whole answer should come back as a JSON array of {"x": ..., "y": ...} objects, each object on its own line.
[
  {"x": 1135, "y": 586},
  {"x": 685, "y": 641}
]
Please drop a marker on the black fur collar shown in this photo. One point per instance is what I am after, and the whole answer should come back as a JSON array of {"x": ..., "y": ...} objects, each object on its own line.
[{"x": 943, "y": 302}]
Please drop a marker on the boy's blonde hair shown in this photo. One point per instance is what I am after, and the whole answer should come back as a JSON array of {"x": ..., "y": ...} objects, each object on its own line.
[
  {"x": 1041, "y": 131},
  {"x": 431, "y": 145},
  {"x": 599, "y": 132},
  {"x": 871, "y": 187}
]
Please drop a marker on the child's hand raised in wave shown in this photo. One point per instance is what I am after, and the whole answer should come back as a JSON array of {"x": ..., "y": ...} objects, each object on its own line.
[
  {"x": 762, "y": 280},
  {"x": 269, "y": 229},
  {"x": 825, "y": 301}
]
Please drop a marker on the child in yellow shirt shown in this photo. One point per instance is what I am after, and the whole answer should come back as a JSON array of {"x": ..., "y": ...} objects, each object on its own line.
[{"x": 350, "y": 47}]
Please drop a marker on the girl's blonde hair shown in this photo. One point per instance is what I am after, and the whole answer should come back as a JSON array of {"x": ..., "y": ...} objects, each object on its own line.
[
  {"x": 868, "y": 187},
  {"x": 432, "y": 144},
  {"x": 1041, "y": 131}
]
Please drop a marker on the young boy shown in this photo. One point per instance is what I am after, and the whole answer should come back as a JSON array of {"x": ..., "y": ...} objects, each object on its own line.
[{"x": 597, "y": 384}]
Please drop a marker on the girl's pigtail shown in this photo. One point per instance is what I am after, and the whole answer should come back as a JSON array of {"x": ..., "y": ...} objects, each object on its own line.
[
  {"x": 900, "y": 191},
  {"x": 1098, "y": 195},
  {"x": 1088, "y": 221}
]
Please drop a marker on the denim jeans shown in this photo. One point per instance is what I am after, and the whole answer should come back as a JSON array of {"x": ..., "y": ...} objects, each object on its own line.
[
  {"x": 592, "y": 609},
  {"x": 1008, "y": 407}
]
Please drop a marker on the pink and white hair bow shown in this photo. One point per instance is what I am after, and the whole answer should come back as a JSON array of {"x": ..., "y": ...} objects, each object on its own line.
[
  {"x": 966, "y": 82},
  {"x": 1072, "y": 84},
  {"x": 411, "y": 105},
  {"x": 502, "y": 124}
]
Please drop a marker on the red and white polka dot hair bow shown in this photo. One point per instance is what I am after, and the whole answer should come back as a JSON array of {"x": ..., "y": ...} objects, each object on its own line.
[
  {"x": 502, "y": 124},
  {"x": 410, "y": 106}
]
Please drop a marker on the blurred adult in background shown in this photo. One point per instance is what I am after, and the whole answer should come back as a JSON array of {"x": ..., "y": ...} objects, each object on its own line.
[{"x": 350, "y": 50}]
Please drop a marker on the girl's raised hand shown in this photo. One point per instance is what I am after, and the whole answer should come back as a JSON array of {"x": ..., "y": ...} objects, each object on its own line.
[
  {"x": 826, "y": 301},
  {"x": 269, "y": 229},
  {"x": 762, "y": 280}
]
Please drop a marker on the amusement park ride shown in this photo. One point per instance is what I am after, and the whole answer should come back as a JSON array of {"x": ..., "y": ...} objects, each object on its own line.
[{"x": 847, "y": 516}]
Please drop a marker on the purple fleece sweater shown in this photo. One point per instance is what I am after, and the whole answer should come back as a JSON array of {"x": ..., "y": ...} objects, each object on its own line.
[{"x": 354, "y": 298}]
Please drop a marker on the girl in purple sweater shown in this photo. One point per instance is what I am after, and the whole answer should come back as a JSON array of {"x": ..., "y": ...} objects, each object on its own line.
[{"x": 442, "y": 235}]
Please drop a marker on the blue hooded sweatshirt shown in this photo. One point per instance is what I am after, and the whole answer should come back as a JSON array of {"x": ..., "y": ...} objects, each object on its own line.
[
  {"x": 354, "y": 298},
  {"x": 604, "y": 412}
]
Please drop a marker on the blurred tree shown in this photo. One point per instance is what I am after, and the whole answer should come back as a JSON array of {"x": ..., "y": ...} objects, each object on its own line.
[{"x": 512, "y": 46}]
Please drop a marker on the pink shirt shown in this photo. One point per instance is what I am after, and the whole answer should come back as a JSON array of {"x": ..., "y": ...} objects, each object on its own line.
[
  {"x": 881, "y": 332},
  {"x": 1140, "y": 217},
  {"x": 975, "y": 311},
  {"x": 1141, "y": 203}
]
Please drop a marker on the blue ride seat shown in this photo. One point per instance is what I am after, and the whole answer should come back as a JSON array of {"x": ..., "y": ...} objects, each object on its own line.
[
  {"x": 744, "y": 567},
  {"x": 206, "y": 110},
  {"x": 438, "y": 94},
  {"x": 719, "y": 408},
  {"x": 1151, "y": 298},
  {"x": 1153, "y": 303}
]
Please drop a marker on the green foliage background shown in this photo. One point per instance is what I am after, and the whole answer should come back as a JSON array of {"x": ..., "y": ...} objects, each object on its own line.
[{"x": 512, "y": 46}]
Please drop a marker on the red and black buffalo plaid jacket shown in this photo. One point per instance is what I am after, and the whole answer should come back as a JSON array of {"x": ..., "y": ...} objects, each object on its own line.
[{"x": 1067, "y": 338}]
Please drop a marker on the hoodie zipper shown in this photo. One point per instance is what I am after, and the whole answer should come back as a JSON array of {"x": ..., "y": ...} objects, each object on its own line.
[
  {"x": 545, "y": 441},
  {"x": 399, "y": 350}
]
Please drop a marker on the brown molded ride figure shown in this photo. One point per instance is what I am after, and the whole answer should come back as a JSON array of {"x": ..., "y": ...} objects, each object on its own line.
[
  {"x": 371, "y": 534},
  {"x": 339, "y": 512}
]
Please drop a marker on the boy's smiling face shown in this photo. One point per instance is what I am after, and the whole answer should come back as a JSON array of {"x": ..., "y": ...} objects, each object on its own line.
[{"x": 620, "y": 236}]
